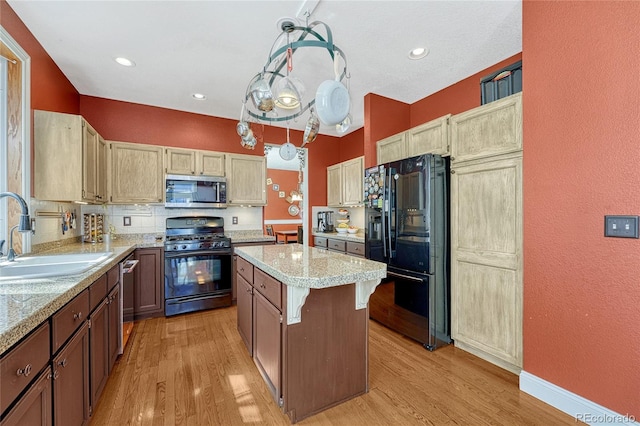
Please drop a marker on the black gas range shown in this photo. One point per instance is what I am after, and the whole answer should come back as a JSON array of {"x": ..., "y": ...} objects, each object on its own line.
[{"x": 198, "y": 264}]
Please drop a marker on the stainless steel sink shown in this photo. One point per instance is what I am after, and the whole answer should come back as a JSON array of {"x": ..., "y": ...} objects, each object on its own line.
[{"x": 51, "y": 266}]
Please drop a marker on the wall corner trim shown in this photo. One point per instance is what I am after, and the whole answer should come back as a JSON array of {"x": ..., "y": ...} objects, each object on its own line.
[{"x": 574, "y": 405}]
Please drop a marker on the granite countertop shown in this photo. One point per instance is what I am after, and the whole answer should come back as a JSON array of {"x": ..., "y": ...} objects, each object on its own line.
[
  {"x": 249, "y": 236},
  {"x": 25, "y": 304},
  {"x": 358, "y": 237},
  {"x": 302, "y": 266}
]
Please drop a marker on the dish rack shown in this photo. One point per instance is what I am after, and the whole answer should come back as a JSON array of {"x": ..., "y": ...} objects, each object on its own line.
[{"x": 93, "y": 227}]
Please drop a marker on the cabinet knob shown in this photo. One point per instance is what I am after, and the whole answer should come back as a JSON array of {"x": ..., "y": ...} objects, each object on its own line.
[
  {"x": 77, "y": 316},
  {"x": 453, "y": 172},
  {"x": 63, "y": 363},
  {"x": 56, "y": 374},
  {"x": 24, "y": 371},
  {"x": 453, "y": 158}
]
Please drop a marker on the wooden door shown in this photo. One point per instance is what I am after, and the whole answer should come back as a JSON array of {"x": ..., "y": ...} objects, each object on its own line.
[
  {"x": 488, "y": 130},
  {"x": 89, "y": 161},
  {"x": 334, "y": 185},
  {"x": 99, "y": 350},
  {"x": 149, "y": 283},
  {"x": 137, "y": 173},
  {"x": 181, "y": 161},
  {"x": 352, "y": 182},
  {"x": 71, "y": 381},
  {"x": 210, "y": 163},
  {"x": 267, "y": 338},
  {"x": 246, "y": 179},
  {"x": 115, "y": 326},
  {"x": 429, "y": 138},
  {"x": 392, "y": 148},
  {"x": 244, "y": 299},
  {"x": 34, "y": 408},
  {"x": 486, "y": 264}
]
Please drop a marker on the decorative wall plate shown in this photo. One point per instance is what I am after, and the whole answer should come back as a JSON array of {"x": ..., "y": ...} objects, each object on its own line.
[{"x": 294, "y": 210}]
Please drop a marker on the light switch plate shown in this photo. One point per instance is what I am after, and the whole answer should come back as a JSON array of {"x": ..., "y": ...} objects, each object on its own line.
[{"x": 621, "y": 226}]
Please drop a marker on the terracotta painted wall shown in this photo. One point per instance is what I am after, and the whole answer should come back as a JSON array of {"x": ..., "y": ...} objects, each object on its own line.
[
  {"x": 383, "y": 117},
  {"x": 581, "y": 162},
  {"x": 278, "y": 208},
  {"x": 50, "y": 89}
]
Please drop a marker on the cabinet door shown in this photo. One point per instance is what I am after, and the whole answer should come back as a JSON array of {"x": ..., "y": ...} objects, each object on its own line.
[
  {"x": 115, "y": 326},
  {"x": 137, "y": 173},
  {"x": 429, "y": 138},
  {"x": 149, "y": 292},
  {"x": 246, "y": 179},
  {"x": 210, "y": 163},
  {"x": 352, "y": 181},
  {"x": 99, "y": 350},
  {"x": 34, "y": 408},
  {"x": 181, "y": 161},
  {"x": 245, "y": 312},
  {"x": 334, "y": 185},
  {"x": 486, "y": 263},
  {"x": 392, "y": 148},
  {"x": 488, "y": 130},
  {"x": 89, "y": 161},
  {"x": 102, "y": 177},
  {"x": 71, "y": 381},
  {"x": 267, "y": 338}
]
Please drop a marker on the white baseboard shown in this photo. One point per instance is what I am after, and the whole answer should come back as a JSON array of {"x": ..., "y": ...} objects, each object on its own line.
[{"x": 576, "y": 406}]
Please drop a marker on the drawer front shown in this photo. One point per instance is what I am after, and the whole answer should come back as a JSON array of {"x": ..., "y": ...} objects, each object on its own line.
[
  {"x": 320, "y": 242},
  {"x": 113, "y": 277},
  {"x": 245, "y": 269},
  {"x": 68, "y": 319},
  {"x": 355, "y": 248},
  {"x": 22, "y": 364},
  {"x": 337, "y": 245},
  {"x": 97, "y": 292},
  {"x": 269, "y": 287}
]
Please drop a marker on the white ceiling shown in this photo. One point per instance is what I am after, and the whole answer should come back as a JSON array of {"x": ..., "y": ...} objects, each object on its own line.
[{"x": 216, "y": 47}]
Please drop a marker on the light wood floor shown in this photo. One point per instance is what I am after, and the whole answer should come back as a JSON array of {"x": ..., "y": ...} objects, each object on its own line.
[{"x": 194, "y": 370}]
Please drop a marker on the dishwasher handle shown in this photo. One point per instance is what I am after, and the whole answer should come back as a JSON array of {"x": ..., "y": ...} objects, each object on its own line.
[{"x": 129, "y": 265}]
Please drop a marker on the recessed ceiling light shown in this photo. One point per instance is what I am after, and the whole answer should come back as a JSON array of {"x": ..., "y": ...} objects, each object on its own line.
[
  {"x": 125, "y": 62},
  {"x": 199, "y": 96},
  {"x": 418, "y": 53}
]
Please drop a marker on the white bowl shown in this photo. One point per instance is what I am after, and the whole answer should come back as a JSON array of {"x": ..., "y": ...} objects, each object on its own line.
[
  {"x": 332, "y": 102},
  {"x": 342, "y": 220},
  {"x": 352, "y": 230},
  {"x": 342, "y": 230}
]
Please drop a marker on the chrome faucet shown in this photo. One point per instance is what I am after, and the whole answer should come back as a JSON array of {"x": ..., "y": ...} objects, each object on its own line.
[{"x": 23, "y": 226}]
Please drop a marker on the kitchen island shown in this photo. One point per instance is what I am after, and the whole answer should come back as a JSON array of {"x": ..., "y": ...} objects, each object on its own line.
[{"x": 303, "y": 315}]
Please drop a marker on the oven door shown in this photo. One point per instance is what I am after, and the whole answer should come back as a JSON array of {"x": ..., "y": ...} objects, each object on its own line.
[{"x": 197, "y": 280}]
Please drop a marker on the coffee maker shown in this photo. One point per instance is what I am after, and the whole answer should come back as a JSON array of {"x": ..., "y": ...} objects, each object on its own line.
[{"x": 325, "y": 221}]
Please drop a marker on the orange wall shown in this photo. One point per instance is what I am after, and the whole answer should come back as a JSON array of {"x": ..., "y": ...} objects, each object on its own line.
[
  {"x": 457, "y": 98},
  {"x": 382, "y": 117},
  {"x": 278, "y": 208},
  {"x": 581, "y": 162}
]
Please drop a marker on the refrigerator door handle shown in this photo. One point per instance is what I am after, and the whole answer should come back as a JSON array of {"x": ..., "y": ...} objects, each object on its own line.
[
  {"x": 387, "y": 203},
  {"x": 407, "y": 277}
]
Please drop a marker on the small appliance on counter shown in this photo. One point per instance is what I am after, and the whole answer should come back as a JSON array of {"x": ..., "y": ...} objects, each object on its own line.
[{"x": 325, "y": 221}]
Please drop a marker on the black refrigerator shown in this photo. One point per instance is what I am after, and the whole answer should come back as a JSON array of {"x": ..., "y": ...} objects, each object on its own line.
[{"x": 407, "y": 228}]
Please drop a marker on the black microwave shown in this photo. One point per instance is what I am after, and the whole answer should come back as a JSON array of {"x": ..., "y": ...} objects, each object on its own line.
[{"x": 184, "y": 191}]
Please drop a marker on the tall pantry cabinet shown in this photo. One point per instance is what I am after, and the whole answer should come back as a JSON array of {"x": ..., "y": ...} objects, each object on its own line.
[{"x": 486, "y": 232}]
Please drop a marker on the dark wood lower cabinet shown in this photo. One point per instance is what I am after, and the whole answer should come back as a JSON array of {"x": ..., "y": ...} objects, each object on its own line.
[
  {"x": 245, "y": 312},
  {"x": 115, "y": 326},
  {"x": 71, "y": 381},
  {"x": 34, "y": 408},
  {"x": 148, "y": 300},
  {"x": 267, "y": 338},
  {"x": 99, "y": 349}
]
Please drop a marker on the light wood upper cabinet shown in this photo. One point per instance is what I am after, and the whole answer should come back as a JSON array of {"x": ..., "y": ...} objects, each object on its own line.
[
  {"x": 137, "y": 173},
  {"x": 432, "y": 137},
  {"x": 392, "y": 148},
  {"x": 486, "y": 259},
  {"x": 102, "y": 170},
  {"x": 429, "y": 138},
  {"x": 70, "y": 160},
  {"x": 344, "y": 183},
  {"x": 194, "y": 162},
  {"x": 246, "y": 179},
  {"x": 488, "y": 130}
]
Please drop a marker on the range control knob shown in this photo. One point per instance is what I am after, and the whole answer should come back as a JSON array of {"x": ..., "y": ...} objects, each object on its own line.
[{"x": 184, "y": 247}]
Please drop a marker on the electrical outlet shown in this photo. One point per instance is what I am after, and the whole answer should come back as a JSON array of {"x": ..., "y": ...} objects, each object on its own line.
[
  {"x": 621, "y": 226},
  {"x": 234, "y": 220},
  {"x": 126, "y": 221}
]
